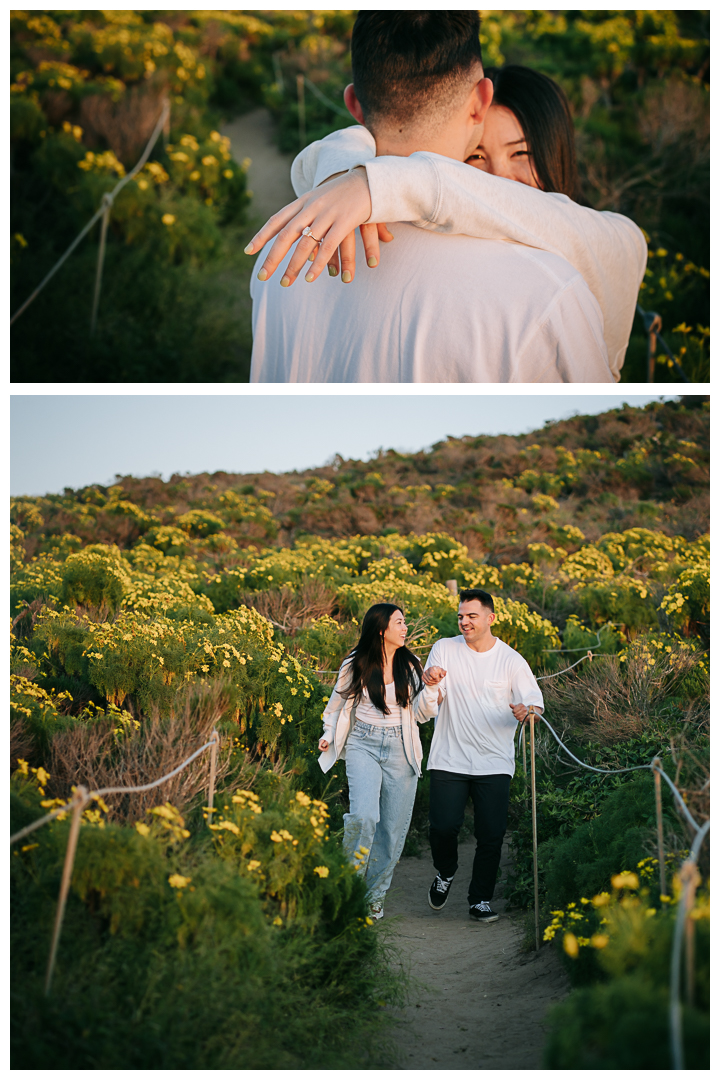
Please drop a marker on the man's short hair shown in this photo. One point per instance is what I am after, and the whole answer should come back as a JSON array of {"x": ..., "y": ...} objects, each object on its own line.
[
  {"x": 403, "y": 61},
  {"x": 478, "y": 594}
]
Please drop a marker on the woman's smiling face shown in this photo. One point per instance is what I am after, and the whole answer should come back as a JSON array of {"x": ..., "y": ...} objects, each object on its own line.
[
  {"x": 396, "y": 630},
  {"x": 504, "y": 150}
]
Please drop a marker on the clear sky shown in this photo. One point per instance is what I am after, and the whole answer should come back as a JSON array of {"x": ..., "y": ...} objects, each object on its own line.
[{"x": 72, "y": 440}]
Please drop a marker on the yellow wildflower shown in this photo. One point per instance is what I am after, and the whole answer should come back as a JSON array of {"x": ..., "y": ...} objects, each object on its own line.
[
  {"x": 570, "y": 945},
  {"x": 178, "y": 881},
  {"x": 625, "y": 881}
]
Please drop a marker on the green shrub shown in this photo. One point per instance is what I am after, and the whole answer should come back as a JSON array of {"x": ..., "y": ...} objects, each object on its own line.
[
  {"x": 625, "y": 941},
  {"x": 175, "y": 956},
  {"x": 95, "y": 577},
  {"x": 622, "y": 1025},
  {"x": 619, "y": 836}
]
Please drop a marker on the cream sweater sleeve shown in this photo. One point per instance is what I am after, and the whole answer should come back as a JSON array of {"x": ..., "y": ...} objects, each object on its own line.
[
  {"x": 337, "y": 152},
  {"x": 437, "y": 193}
]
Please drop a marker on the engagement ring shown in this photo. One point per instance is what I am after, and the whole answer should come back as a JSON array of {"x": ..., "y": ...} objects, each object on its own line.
[{"x": 306, "y": 232}]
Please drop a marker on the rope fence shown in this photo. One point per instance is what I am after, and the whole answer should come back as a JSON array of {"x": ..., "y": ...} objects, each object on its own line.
[
  {"x": 81, "y": 797},
  {"x": 689, "y": 876},
  {"x": 104, "y": 213}
]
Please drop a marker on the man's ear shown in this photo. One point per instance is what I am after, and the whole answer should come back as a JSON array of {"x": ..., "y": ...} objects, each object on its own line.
[
  {"x": 353, "y": 105},
  {"x": 477, "y": 106},
  {"x": 481, "y": 100}
]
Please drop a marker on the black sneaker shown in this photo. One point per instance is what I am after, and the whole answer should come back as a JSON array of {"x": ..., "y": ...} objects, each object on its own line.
[
  {"x": 438, "y": 892},
  {"x": 482, "y": 912}
]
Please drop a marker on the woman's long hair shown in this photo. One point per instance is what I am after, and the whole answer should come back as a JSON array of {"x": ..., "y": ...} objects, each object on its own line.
[
  {"x": 543, "y": 112},
  {"x": 368, "y": 661}
]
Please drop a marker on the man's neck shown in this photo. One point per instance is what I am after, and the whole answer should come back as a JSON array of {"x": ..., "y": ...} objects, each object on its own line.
[
  {"x": 483, "y": 644},
  {"x": 389, "y": 143}
]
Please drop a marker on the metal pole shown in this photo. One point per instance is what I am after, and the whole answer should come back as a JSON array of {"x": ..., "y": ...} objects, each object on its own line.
[
  {"x": 656, "y": 765},
  {"x": 531, "y": 711},
  {"x": 80, "y": 797},
  {"x": 107, "y": 203},
  {"x": 213, "y": 770},
  {"x": 301, "y": 109}
]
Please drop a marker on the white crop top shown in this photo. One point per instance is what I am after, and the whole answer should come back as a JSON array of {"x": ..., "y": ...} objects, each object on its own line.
[{"x": 367, "y": 712}]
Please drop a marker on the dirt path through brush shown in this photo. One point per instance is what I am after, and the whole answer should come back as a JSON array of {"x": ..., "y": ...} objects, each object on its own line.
[
  {"x": 482, "y": 1002},
  {"x": 251, "y": 136}
]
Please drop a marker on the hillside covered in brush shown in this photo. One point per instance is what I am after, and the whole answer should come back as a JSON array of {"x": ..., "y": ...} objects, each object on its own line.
[{"x": 626, "y": 468}]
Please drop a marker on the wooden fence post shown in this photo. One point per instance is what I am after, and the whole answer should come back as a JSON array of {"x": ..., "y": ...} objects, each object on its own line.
[
  {"x": 653, "y": 331},
  {"x": 80, "y": 798},
  {"x": 656, "y": 766},
  {"x": 531, "y": 711},
  {"x": 107, "y": 203},
  {"x": 301, "y": 109},
  {"x": 213, "y": 770}
]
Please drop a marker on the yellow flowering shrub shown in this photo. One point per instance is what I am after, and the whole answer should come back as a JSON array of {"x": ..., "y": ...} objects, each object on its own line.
[{"x": 282, "y": 847}]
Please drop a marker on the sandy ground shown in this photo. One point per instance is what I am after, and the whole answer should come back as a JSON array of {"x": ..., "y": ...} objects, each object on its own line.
[
  {"x": 479, "y": 1002},
  {"x": 251, "y": 136}
]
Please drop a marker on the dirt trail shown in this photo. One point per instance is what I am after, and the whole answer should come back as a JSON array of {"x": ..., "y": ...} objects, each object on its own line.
[
  {"x": 482, "y": 1001},
  {"x": 251, "y": 136}
]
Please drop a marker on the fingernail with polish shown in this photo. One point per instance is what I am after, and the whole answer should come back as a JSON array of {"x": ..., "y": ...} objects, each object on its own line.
[
  {"x": 332, "y": 271},
  {"x": 372, "y": 261},
  {"x": 311, "y": 257},
  {"x": 262, "y": 276},
  {"x": 309, "y": 276},
  {"x": 284, "y": 281},
  {"x": 347, "y": 276},
  {"x": 249, "y": 249}
]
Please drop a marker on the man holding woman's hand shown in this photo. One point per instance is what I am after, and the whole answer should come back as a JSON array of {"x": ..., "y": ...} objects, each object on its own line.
[{"x": 482, "y": 683}]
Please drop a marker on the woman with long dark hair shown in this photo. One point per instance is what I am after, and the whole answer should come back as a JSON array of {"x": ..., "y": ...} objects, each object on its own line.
[
  {"x": 371, "y": 721},
  {"x": 529, "y": 134}
]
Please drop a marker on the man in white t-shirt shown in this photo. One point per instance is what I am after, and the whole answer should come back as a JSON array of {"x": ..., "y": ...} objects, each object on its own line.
[
  {"x": 448, "y": 308},
  {"x": 485, "y": 690}
]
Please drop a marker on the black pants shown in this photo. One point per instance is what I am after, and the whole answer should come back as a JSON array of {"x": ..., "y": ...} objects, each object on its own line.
[{"x": 448, "y": 798}]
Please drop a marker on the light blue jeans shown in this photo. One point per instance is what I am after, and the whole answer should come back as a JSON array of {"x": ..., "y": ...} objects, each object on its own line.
[{"x": 382, "y": 785}]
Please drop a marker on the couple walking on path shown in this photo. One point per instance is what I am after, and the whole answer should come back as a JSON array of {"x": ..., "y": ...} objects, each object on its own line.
[{"x": 479, "y": 689}]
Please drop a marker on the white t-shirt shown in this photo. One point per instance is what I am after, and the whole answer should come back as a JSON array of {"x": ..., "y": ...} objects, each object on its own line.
[
  {"x": 437, "y": 309},
  {"x": 438, "y": 193},
  {"x": 475, "y": 729},
  {"x": 367, "y": 712}
]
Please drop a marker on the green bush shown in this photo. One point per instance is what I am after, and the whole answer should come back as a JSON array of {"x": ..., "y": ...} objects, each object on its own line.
[
  {"x": 622, "y": 1021},
  {"x": 622, "y": 1024},
  {"x": 619, "y": 836},
  {"x": 175, "y": 955}
]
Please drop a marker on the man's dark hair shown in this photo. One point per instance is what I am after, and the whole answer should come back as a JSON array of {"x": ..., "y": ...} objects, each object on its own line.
[
  {"x": 543, "y": 112},
  {"x": 478, "y": 594},
  {"x": 402, "y": 60}
]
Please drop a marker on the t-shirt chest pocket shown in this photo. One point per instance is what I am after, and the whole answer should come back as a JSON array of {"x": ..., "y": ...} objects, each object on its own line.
[{"x": 496, "y": 694}]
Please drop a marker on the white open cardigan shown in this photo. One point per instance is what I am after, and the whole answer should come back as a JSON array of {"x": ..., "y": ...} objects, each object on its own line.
[{"x": 339, "y": 720}]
